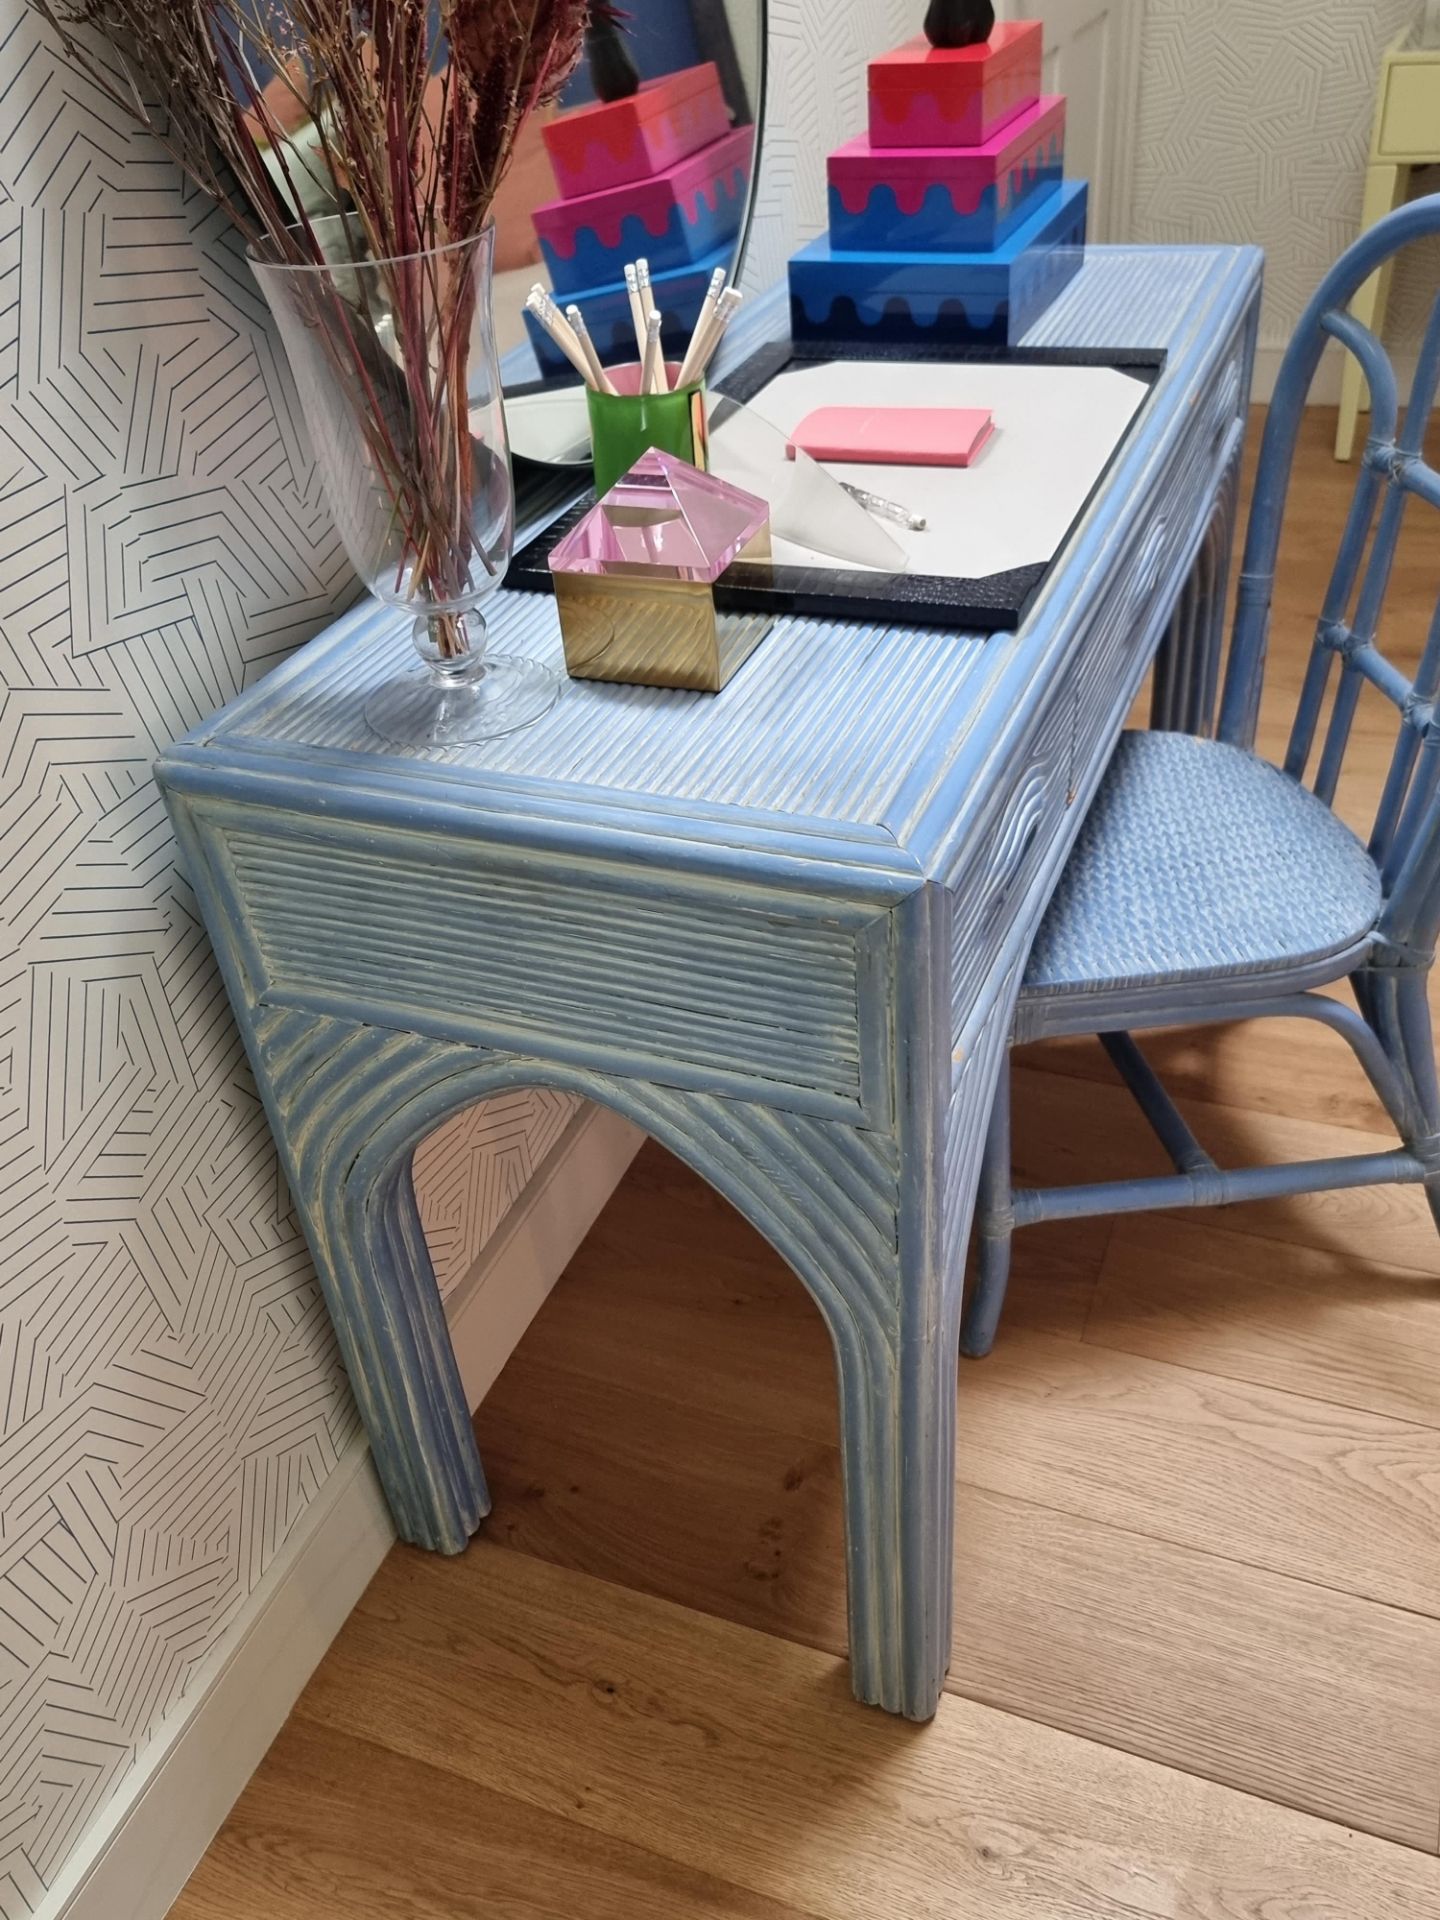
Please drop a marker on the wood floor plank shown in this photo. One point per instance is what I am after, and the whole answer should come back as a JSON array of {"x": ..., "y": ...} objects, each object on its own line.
[
  {"x": 1198, "y": 1293},
  {"x": 1273, "y": 1684},
  {"x": 716, "y": 1511},
  {"x": 646, "y": 1301},
  {"x": 1295, "y": 1068},
  {"x": 343, "y": 1828},
  {"x": 1308, "y": 1697},
  {"x": 743, "y": 1757},
  {"x": 1340, "y": 1497}
]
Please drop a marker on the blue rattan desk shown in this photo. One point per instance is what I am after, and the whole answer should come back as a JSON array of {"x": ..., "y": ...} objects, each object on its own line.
[{"x": 782, "y": 929}]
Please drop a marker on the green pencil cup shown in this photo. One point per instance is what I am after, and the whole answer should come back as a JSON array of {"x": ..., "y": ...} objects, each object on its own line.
[{"x": 627, "y": 423}]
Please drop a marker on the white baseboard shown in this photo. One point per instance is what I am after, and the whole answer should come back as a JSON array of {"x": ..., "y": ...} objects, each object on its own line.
[
  {"x": 149, "y": 1837},
  {"x": 507, "y": 1286}
]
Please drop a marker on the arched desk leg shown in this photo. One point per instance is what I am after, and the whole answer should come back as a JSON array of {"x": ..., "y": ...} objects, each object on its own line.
[
  {"x": 349, "y": 1104},
  {"x": 348, "y": 1107}
]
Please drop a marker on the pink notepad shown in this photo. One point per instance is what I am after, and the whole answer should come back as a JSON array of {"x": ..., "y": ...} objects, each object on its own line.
[{"x": 895, "y": 436}]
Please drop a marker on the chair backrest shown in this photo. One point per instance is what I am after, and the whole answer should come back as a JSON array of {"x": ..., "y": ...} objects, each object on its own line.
[{"x": 1405, "y": 839}]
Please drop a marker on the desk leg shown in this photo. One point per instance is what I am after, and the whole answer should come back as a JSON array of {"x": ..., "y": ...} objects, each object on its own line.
[
  {"x": 1187, "y": 666},
  {"x": 1384, "y": 190},
  {"x": 349, "y": 1104}
]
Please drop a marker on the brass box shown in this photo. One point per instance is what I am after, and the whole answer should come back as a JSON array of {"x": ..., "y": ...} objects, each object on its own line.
[{"x": 628, "y": 625}]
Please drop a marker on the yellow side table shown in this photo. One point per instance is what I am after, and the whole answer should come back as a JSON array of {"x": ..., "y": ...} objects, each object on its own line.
[{"x": 1406, "y": 134}]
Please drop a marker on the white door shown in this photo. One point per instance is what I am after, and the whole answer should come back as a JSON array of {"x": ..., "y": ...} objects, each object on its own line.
[{"x": 1092, "y": 55}]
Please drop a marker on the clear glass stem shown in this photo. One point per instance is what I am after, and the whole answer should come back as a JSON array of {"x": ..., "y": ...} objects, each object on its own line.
[
  {"x": 452, "y": 645},
  {"x": 465, "y": 692}
]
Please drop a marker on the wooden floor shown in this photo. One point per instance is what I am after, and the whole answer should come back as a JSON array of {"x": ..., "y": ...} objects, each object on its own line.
[{"x": 1197, "y": 1627}]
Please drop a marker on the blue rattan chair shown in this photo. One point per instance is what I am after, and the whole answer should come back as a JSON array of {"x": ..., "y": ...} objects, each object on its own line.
[{"x": 1208, "y": 885}]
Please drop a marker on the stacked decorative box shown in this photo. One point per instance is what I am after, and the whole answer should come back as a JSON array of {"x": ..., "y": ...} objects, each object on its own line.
[
  {"x": 950, "y": 222},
  {"x": 662, "y": 175}
]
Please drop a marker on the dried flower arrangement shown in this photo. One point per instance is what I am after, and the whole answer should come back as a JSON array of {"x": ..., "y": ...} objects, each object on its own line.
[{"x": 416, "y": 109}]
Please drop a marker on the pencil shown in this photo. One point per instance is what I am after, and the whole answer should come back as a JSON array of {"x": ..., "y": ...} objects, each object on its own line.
[
  {"x": 637, "y": 309},
  {"x": 702, "y": 322},
  {"x": 560, "y": 333},
  {"x": 598, "y": 376},
  {"x": 719, "y": 321},
  {"x": 642, "y": 281},
  {"x": 652, "y": 371}
]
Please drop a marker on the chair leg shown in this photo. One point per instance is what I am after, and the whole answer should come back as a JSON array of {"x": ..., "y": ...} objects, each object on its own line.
[
  {"x": 995, "y": 1224},
  {"x": 1396, "y": 1005},
  {"x": 1418, "y": 1040}
]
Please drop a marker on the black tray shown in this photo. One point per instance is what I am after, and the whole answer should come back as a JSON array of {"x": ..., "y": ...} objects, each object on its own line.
[{"x": 990, "y": 603}]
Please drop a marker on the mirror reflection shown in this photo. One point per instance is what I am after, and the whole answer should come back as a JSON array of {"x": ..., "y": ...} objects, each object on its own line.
[{"x": 649, "y": 155}]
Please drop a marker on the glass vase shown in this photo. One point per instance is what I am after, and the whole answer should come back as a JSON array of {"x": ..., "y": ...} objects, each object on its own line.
[{"x": 399, "y": 382}]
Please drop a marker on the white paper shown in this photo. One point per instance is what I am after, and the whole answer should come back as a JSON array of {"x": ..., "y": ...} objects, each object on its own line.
[{"x": 1055, "y": 430}]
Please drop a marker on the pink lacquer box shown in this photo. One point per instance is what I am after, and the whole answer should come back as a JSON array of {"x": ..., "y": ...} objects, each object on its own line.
[
  {"x": 605, "y": 145},
  {"x": 924, "y": 96},
  {"x": 948, "y": 198},
  {"x": 679, "y": 214}
]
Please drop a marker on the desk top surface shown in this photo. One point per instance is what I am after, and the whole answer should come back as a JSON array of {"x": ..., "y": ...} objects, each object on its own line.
[{"x": 840, "y": 729}]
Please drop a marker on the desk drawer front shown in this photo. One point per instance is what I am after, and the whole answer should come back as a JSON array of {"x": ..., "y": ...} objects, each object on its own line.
[
  {"x": 397, "y": 932},
  {"x": 1076, "y": 727}
]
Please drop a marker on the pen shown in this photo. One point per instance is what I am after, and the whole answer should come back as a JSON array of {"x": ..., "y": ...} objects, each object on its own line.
[{"x": 884, "y": 509}]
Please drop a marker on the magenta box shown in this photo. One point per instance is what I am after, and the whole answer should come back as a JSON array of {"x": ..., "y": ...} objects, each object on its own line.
[
  {"x": 924, "y": 96},
  {"x": 676, "y": 215},
  {"x": 592, "y": 148},
  {"x": 950, "y": 198}
]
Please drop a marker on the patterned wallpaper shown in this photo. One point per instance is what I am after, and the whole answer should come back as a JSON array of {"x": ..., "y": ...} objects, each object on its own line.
[
  {"x": 816, "y": 98},
  {"x": 471, "y": 1172},
  {"x": 1255, "y": 125},
  {"x": 170, "y": 1398}
]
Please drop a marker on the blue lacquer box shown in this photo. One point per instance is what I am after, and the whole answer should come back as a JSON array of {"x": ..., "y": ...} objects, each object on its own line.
[
  {"x": 957, "y": 299},
  {"x": 678, "y": 294}
]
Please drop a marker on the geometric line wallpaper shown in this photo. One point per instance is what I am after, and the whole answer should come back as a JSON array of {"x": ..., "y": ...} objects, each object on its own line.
[
  {"x": 1255, "y": 125},
  {"x": 170, "y": 1396},
  {"x": 816, "y": 57},
  {"x": 470, "y": 1173}
]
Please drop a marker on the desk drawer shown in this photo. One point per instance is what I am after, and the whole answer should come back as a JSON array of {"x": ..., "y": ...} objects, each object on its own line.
[
  {"x": 680, "y": 986},
  {"x": 1074, "y": 731}
]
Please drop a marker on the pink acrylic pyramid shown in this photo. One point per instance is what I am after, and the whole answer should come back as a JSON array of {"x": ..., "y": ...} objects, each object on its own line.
[{"x": 664, "y": 519}]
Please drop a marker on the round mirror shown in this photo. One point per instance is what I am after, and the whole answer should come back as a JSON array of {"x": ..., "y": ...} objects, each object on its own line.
[{"x": 650, "y": 154}]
